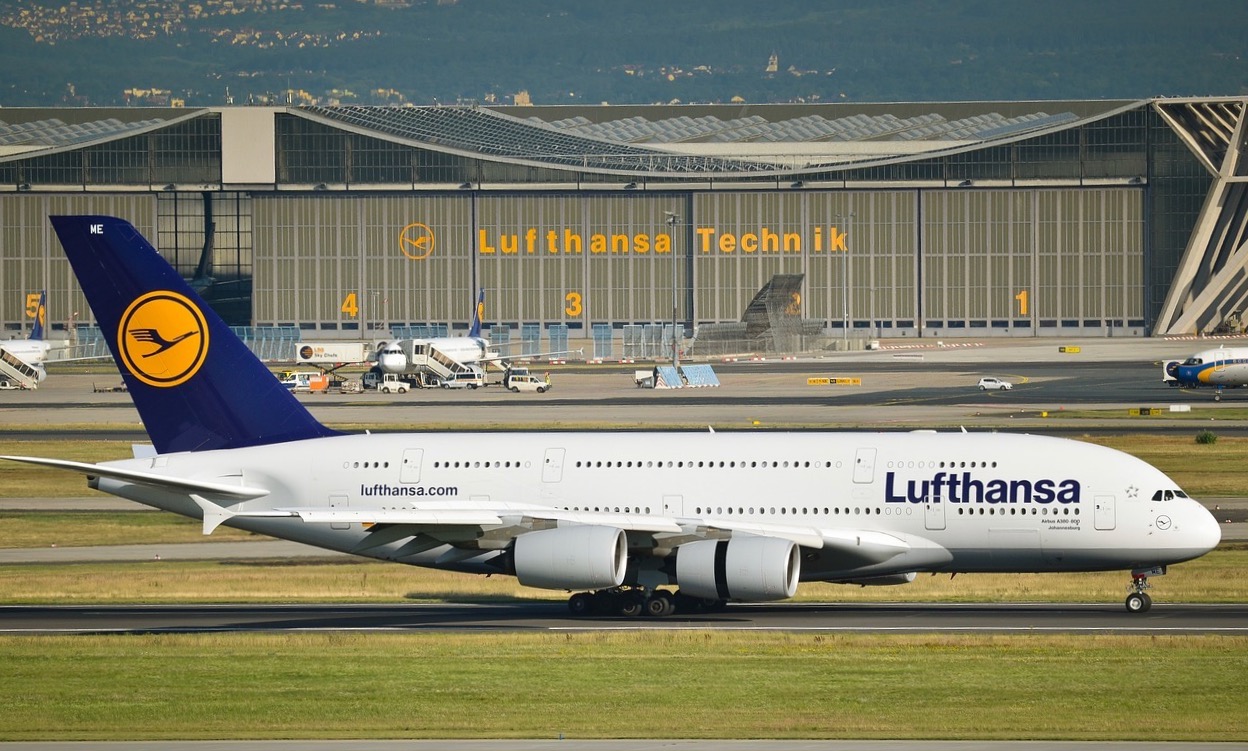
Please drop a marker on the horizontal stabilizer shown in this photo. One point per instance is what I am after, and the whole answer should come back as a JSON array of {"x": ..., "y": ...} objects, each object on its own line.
[
  {"x": 215, "y": 514},
  {"x": 166, "y": 482}
]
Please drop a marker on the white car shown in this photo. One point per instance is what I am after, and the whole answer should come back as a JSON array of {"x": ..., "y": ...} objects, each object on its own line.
[{"x": 994, "y": 384}]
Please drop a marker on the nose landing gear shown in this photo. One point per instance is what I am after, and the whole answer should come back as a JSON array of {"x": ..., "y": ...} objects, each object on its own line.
[{"x": 1139, "y": 601}]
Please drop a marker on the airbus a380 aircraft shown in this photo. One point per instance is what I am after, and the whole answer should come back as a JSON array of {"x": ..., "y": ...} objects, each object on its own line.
[{"x": 613, "y": 517}]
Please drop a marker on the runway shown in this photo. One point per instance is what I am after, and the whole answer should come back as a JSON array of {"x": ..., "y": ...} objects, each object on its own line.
[{"x": 551, "y": 616}]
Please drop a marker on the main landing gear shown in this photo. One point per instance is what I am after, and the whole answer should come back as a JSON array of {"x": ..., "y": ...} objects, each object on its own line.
[
  {"x": 1139, "y": 601},
  {"x": 636, "y": 601}
]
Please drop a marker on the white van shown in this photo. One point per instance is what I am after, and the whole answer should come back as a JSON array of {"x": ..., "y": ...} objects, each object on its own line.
[
  {"x": 472, "y": 378},
  {"x": 527, "y": 382}
]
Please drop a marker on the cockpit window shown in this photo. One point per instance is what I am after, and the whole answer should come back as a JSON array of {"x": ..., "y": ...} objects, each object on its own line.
[
  {"x": 1168, "y": 495},
  {"x": 1192, "y": 361}
]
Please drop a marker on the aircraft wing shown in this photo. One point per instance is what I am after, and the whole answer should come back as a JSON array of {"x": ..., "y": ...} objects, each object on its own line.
[
  {"x": 854, "y": 546},
  {"x": 166, "y": 482},
  {"x": 860, "y": 546}
]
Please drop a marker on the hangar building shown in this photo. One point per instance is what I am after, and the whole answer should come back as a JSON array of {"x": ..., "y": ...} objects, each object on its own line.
[{"x": 970, "y": 219}]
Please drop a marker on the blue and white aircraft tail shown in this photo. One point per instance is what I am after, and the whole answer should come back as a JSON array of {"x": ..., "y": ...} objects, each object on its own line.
[
  {"x": 195, "y": 384},
  {"x": 41, "y": 317},
  {"x": 616, "y": 517},
  {"x": 478, "y": 312}
]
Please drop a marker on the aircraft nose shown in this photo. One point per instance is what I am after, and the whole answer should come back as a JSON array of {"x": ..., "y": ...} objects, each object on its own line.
[{"x": 1203, "y": 530}]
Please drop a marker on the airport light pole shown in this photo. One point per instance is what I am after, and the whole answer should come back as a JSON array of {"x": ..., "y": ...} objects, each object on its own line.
[
  {"x": 672, "y": 219},
  {"x": 848, "y": 219}
]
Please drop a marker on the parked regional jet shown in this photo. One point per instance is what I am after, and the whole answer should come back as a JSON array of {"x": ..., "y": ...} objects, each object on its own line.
[
  {"x": 407, "y": 355},
  {"x": 1221, "y": 368},
  {"x": 614, "y": 517},
  {"x": 21, "y": 360}
]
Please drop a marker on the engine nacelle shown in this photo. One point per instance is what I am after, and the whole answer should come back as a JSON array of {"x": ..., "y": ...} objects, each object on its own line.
[
  {"x": 753, "y": 569},
  {"x": 582, "y": 557}
]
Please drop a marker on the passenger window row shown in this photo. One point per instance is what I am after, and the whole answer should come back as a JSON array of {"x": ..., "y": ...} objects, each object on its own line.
[{"x": 670, "y": 464}]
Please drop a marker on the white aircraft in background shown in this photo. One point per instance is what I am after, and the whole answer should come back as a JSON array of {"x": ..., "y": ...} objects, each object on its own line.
[
  {"x": 33, "y": 351},
  {"x": 615, "y": 517},
  {"x": 1221, "y": 368},
  {"x": 397, "y": 357}
]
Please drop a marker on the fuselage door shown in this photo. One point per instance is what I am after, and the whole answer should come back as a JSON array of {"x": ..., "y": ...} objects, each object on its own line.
[
  {"x": 410, "y": 469},
  {"x": 934, "y": 514},
  {"x": 552, "y": 465},
  {"x": 339, "y": 503},
  {"x": 1103, "y": 516},
  {"x": 864, "y": 466}
]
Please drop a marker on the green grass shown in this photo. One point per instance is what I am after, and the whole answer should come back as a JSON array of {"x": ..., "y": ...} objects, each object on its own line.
[
  {"x": 1217, "y": 577},
  {"x": 41, "y": 529},
  {"x": 696, "y": 684}
]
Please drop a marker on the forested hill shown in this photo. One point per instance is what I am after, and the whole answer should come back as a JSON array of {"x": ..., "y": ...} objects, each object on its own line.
[{"x": 91, "y": 52}]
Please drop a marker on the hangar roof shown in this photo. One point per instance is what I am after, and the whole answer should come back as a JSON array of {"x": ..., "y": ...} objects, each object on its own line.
[{"x": 643, "y": 139}]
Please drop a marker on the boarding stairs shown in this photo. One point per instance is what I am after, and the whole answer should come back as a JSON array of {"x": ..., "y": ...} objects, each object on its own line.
[
  {"x": 15, "y": 371},
  {"x": 431, "y": 360}
]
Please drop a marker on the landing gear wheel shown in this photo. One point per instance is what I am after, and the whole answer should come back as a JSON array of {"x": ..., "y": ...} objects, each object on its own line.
[
  {"x": 581, "y": 603},
  {"x": 660, "y": 605},
  {"x": 1139, "y": 602},
  {"x": 631, "y": 607}
]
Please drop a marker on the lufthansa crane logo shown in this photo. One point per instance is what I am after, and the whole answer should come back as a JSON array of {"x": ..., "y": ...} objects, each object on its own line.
[
  {"x": 416, "y": 241},
  {"x": 163, "y": 339}
]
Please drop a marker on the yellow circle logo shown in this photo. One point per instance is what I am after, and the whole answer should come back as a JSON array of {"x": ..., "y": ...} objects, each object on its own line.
[
  {"x": 163, "y": 339},
  {"x": 416, "y": 241}
]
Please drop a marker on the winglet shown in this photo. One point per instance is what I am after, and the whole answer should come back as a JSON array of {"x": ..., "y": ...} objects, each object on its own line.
[{"x": 195, "y": 384}]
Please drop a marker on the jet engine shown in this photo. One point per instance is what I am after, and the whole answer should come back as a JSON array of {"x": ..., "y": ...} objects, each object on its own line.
[
  {"x": 391, "y": 358},
  {"x": 754, "y": 569},
  {"x": 582, "y": 557}
]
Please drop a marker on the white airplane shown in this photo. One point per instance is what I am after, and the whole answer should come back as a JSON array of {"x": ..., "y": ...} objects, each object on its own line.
[
  {"x": 33, "y": 351},
  {"x": 392, "y": 357},
  {"x": 1221, "y": 368},
  {"x": 614, "y": 517}
]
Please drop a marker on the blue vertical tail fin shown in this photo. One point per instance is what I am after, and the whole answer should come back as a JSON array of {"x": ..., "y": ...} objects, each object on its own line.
[
  {"x": 197, "y": 386},
  {"x": 477, "y": 314},
  {"x": 41, "y": 317}
]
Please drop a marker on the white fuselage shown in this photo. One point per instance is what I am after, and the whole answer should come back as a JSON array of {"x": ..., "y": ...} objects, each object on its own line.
[
  {"x": 1225, "y": 366},
  {"x": 466, "y": 350},
  {"x": 33, "y": 352},
  {"x": 957, "y": 502}
]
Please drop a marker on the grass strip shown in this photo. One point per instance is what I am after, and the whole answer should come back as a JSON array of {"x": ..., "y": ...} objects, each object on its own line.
[
  {"x": 1217, "y": 577},
  {"x": 622, "y": 685},
  {"x": 41, "y": 529}
]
